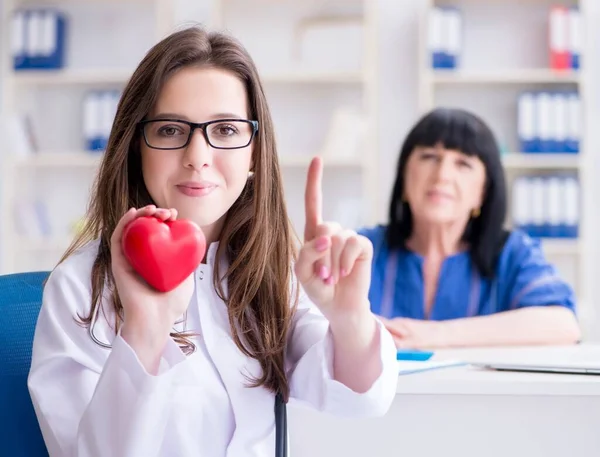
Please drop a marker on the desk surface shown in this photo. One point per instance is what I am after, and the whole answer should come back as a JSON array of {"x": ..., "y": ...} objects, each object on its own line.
[{"x": 468, "y": 380}]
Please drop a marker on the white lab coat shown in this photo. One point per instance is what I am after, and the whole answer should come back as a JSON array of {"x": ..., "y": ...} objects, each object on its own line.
[{"x": 97, "y": 402}]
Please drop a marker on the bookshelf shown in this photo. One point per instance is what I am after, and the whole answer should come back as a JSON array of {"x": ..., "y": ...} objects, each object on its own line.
[
  {"x": 75, "y": 77},
  {"x": 504, "y": 52},
  {"x": 304, "y": 76},
  {"x": 60, "y": 171},
  {"x": 526, "y": 76},
  {"x": 54, "y": 168}
]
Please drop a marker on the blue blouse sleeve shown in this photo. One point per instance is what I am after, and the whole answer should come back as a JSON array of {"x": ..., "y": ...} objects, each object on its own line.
[{"x": 529, "y": 279}]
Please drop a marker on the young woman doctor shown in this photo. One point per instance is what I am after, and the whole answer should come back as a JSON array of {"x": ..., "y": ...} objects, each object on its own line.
[{"x": 119, "y": 369}]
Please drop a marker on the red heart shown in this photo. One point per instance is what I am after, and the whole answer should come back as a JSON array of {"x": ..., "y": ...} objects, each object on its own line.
[{"x": 164, "y": 253}]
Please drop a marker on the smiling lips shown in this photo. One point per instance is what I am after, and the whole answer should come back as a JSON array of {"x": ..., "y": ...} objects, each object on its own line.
[
  {"x": 196, "y": 188},
  {"x": 439, "y": 195}
]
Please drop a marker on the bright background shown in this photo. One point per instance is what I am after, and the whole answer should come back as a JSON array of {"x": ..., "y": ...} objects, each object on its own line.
[{"x": 345, "y": 79}]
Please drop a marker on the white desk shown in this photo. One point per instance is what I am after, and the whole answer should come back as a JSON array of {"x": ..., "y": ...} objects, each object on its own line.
[{"x": 465, "y": 411}]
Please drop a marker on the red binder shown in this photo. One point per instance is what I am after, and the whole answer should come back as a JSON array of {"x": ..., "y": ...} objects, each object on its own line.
[{"x": 558, "y": 38}]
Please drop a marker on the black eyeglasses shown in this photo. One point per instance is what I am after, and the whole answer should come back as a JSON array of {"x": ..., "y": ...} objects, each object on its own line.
[{"x": 219, "y": 134}]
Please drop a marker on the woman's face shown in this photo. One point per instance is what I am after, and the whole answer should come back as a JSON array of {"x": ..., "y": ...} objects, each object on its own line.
[
  {"x": 443, "y": 186},
  {"x": 200, "y": 181}
]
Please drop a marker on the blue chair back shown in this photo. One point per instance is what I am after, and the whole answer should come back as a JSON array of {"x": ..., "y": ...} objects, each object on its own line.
[{"x": 20, "y": 302}]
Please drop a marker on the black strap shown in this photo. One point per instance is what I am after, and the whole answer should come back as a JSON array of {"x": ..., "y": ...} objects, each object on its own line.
[{"x": 280, "y": 427}]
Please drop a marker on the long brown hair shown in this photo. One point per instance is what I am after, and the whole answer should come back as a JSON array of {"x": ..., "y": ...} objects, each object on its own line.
[{"x": 257, "y": 238}]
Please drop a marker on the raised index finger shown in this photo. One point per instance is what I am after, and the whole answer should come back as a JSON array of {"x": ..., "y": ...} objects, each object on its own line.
[{"x": 313, "y": 198}]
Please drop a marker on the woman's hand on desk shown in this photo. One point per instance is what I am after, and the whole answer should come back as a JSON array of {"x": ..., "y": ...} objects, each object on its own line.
[
  {"x": 415, "y": 334},
  {"x": 524, "y": 326}
]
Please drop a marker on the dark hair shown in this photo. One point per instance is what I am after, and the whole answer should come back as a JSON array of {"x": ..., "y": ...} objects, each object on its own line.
[
  {"x": 259, "y": 298},
  {"x": 463, "y": 131}
]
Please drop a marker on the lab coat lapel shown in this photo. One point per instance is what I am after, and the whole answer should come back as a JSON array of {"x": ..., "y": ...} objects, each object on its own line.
[{"x": 253, "y": 408}]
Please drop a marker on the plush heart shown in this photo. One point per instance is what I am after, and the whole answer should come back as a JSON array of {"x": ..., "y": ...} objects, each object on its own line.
[{"x": 164, "y": 253}]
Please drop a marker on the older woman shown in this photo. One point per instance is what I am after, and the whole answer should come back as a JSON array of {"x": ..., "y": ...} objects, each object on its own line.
[{"x": 445, "y": 271}]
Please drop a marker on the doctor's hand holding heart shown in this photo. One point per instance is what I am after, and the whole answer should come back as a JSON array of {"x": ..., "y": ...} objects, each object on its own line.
[
  {"x": 334, "y": 268},
  {"x": 150, "y": 311}
]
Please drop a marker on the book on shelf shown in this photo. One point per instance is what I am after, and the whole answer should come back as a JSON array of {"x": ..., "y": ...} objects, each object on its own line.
[
  {"x": 546, "y": 206},
  {"x": 549, "y": 121},
  {"x": 564, "y": 37},
  {"x": 99, "y": 109},
  {"x": 445, "y": 37},
  {"x": 38, "y": 38}
]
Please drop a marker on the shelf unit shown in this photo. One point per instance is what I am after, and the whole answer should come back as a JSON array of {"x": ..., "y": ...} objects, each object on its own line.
[
  {"x": 76, "y": 77},
  {"x": 59, "y": 160},
  {"x": 313, "y": 78},
  {"x": 293, "y": 82},
  {"x": 518, "y": 161},
  {"x": 490, "y": 91},
  {"x": 62, "y": 162},
  {"x": 527, "y": 76}
]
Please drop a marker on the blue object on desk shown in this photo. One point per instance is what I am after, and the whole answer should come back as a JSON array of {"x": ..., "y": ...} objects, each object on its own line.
[{"x": 412, "y": 354}]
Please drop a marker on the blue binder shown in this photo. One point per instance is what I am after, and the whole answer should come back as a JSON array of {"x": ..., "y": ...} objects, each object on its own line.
[{"x": 40, "y": 24}]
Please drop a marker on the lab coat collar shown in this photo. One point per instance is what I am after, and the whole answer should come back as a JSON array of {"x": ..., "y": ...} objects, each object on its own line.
[{"x": 211, "y": 253}]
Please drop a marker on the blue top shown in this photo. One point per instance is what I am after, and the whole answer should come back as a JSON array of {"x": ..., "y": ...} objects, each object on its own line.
[{"x": 524, "y": 278}]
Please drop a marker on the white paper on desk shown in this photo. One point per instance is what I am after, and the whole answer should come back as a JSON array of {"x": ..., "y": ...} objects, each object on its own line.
[{"x": 415, "y": 366}]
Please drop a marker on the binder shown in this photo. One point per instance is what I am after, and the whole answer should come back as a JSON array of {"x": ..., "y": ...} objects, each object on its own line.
[
  {"x": 521, "y": 207},
  {"x": 527, "y": 123},
  {"x": 554, "y": 209},
  {"x": 33, "y": 38},
  {"x": 106, "y": 118},
  {"x": 574, "y": 38},
  {"x": 17, "y": 39},
  {"x": 560, "y": 121},
  {"x": 573, "y": 127},
  {"x": 99, "y": 109},
  {"x": 92, "y": 122},
  {"x": 38, "y": 39},
  {"x": 570, "y": 190},
  {"x": 544, "y": 121},
  {"x": 436, "y": 20},
  {"x": 558, "y": 38},
  {"x": 537, "y": 198},
  {"x": 452, "y": 40}
]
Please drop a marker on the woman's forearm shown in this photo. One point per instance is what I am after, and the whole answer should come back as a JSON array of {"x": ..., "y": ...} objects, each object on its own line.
[
  {"x": 524, "y": 326},
  {"x": 357, "y": 352}
]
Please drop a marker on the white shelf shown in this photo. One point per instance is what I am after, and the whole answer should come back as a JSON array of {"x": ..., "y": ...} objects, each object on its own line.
[
  {"x": 560, "y": 246},
  {"x": 489, "y": 85},
  {"x": 68, "y": 77},
  {"x": 517, "y": 160},
  {"x": 61, "y": 160},
  {"x": 533, "y": 76},
  {"x": 301, "y": 161},
  {"x": 53, "y": 2},
  {"x": 308, "y": 77}
]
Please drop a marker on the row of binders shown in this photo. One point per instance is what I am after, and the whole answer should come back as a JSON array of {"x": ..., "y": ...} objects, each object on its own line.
[
  {"x": 99, "y": 109},
  {"x": 446, "y": 37},
  {"x": 546, "y": 206},
  {"x": 38, "y": 39},
  {"x": 549, "y": 122}
]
